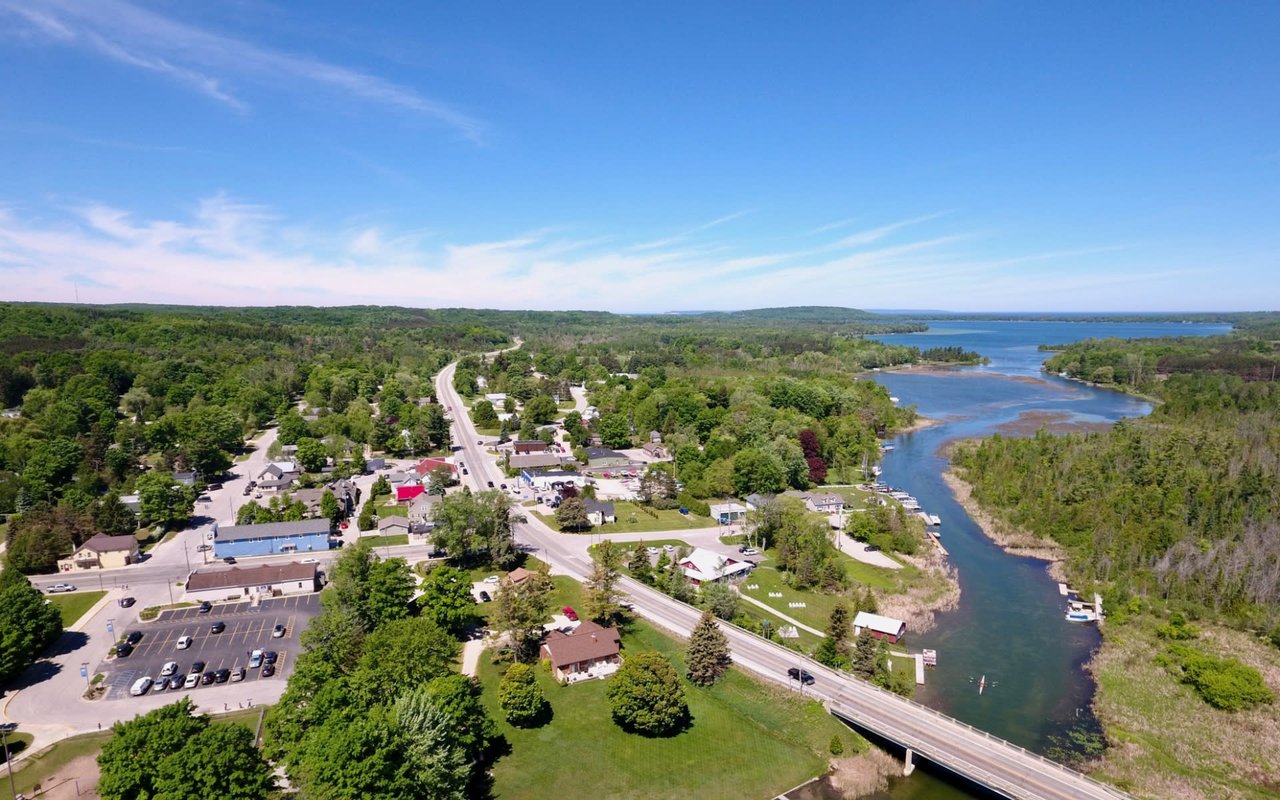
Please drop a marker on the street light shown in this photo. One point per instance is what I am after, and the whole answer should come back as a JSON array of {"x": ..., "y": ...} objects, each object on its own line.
[{"x": 7, "y": 728}]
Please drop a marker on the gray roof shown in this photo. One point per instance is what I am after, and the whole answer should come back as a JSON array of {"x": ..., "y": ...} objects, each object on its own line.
[
  {"x": 593, "y": 506},
  {"x": 268, "y": 530},
  {"x": 604, "y": 452}
]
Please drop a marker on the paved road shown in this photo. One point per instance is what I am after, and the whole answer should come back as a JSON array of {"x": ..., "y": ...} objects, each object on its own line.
[{"x": 987, "y": 759}]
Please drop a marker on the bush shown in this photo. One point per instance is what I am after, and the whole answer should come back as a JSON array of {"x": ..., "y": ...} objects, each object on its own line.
[
  {"x": 521, "y": 698},
  {"x": 837, "y": 746},
  {"x": 1223, "y": 683},
  {"x": 646, "y": 696}
]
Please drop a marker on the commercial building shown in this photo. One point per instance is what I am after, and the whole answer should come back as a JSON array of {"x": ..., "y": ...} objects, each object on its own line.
[
  {"x": 270, "y": 538},
  {"x": 263, "y": 580},
  {"x": 545, "y": 480},
  {"x": 101, "y": 552}
]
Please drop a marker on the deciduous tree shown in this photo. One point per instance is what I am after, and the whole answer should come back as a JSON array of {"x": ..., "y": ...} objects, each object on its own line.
[
  {"x": 521, "y": 698},
  {"x": 646, "y": 697},
  {"x": 521, "y": 609},
  {"x": 572, "y": 515}
]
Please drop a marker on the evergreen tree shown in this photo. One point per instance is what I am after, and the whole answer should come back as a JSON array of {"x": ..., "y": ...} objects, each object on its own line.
[
  {"x": 572, "y": 515},
  {"x": 834, "y": 649},
  {"x": 639, "y": 565},
  {"x": 866, "y": 656},
  {"x": 598, "y": 603},
  {"x": 708, "y": 653}
]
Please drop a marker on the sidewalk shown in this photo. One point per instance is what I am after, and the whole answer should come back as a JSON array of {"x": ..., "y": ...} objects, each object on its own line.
[{"x": 780, "y": 615}]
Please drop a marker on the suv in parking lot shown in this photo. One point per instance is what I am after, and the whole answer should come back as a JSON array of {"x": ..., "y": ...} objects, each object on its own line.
[
  {"x": 184, "y": 642},
  {"x": 140, "y": 686}
]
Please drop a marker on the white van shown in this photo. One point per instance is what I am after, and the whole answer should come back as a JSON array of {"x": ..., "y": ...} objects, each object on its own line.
[{"x": 140, "y": 686}]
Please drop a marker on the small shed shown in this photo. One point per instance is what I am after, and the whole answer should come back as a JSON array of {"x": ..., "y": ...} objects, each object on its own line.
[{"x": 886, "y": 629}]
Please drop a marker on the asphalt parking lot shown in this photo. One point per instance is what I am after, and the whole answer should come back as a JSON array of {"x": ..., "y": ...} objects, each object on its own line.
[{"x": 247, "y": 628}]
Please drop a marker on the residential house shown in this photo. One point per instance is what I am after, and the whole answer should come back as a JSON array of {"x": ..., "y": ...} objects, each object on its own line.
[
  {"x": 517, "y": 576},
  {"x": 372, "y": 465},
  {"x": 529, "y": 446},
  {"x": 102, "y": 552},
  {"x": 408, "y": 491},
  {"x": 429, "y": 465},
  {"x": 825, "y": 503},
  {"x": 654, "y": 449},
  {"x": 756, "y": 501},
  {"x": 270, "y": 538},
  {"x": 655, "y": 437},
  {"x": 707, "y": 566},
  {"x": 728, "y": 513},
  {"x": 422, "y": 507},
  {"x": 590, "y": 651},
  {"x": 132, "y": 502},
  {"x": 392, "y": 526},
  {"x": 185, "y": 478},
  {"x": 310, "y": 498},
  {"x": 599, "y": 513},
  {"x": 278, "y": 476},
  {"x": 269, "y": 580},
  {"x": 347, "y": 494},
  {"x": 535, "y": 460},
  {"x": 398, "y": 479},
  {"x": 886, "y": 629},
  {"x": 603, "y": 457}
]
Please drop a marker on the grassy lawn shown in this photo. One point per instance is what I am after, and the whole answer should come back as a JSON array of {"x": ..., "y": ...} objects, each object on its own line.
[
  {"x": 391, "y": 510},
  {"x": 49, "y": 765},
  {"x": 670, "y": 520},
  {"x": 73, "y": 606},
  {"x": 747, "y": 740},
  {"x": 391, "y": 540},
  {"x": 853, "y": 496}
]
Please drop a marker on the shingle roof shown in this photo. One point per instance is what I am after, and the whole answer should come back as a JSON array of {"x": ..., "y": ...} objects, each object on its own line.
[
  {"x": 878, "y": 623},
  {"x": 587, "y": 642},
  {"x": 102, "y": 543},
  {"x": 306, "y": 527},
  {"x": 261, "y": 575}
]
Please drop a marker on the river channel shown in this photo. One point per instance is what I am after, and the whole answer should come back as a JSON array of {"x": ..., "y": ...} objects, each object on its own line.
[{"x": 1009, "y": 626}]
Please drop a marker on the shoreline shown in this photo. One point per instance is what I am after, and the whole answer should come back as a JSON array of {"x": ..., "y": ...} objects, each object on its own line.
[
  {"x": 920, "y": 606},
  {"x": 1015, "y": 542},
  {"x": 920, "y": 424}
]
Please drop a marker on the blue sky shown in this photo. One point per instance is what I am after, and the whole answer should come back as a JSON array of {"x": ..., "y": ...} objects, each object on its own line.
[{"x": 665, "y": 156}]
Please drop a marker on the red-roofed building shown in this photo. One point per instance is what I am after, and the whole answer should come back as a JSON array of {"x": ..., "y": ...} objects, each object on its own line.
[
  {"x": 429, "y": 465},
  {"x": 409, "y": 491}
]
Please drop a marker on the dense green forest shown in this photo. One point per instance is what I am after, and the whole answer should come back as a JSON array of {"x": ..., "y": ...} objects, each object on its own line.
[{"x": 1181, "y": 506}]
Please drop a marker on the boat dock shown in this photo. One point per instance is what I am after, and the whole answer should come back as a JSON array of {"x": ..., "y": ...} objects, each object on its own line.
[{"x": 1080, "y": 610}]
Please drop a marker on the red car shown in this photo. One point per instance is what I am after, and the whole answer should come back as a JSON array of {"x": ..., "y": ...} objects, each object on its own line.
[{"x": 571, "y": 614}]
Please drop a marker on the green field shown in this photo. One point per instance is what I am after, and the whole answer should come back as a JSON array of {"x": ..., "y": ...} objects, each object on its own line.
[
  {"x": 747, "y": 740},
  {"x": 632, "y": 520},
  {"x": 73, "y": 606}
]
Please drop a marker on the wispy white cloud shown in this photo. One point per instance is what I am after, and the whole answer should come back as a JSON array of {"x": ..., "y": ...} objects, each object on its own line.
[
  {"x": 203, "y": 59},
  {"x": 225, "y": 251},
  {"x": 690, "y": 232}
]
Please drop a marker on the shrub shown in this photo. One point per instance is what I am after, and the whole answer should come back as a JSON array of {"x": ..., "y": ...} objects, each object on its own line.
[
  {"x": 521, "y": 698},
  {"x": 837, "y": 746},
  {"x": 646, "y": 696}
]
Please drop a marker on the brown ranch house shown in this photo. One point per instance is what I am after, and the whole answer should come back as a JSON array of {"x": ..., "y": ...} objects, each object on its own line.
[{"x": 591, "y": 651}]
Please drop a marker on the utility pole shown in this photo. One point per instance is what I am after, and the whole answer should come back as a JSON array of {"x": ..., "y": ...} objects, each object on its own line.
[{"x": 6, "y": 729}]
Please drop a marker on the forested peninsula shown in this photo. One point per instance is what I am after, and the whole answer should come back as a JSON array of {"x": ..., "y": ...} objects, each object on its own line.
[{"x": 1175, "y": 519}]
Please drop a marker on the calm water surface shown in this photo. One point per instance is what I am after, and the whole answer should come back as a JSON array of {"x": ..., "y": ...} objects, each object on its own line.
[{"x": 1009, "y": 625}]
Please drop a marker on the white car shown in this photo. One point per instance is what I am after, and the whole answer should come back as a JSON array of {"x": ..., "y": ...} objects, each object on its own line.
[
  {"x": 309, "y": 561},
  {"x": 184, "y": 642},
  {"x": 61, "y": 587},
  {"x": 169, "y": 668},
  {"x": 653, "y": 551},
  {"x": 255, "y": 659},
  {"x": 492, "y": 579},
  {"x": 140, "y": 686},
  {"x": 751, "y": 551},
  {"x": 192, "y": 681}
]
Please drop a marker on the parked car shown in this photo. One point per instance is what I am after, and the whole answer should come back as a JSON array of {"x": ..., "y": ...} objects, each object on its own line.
[
  {"x": 484, "y": 597},
  {"x": 237, "y": 674},
  {"x": 124, "y": 650},
  {"x": 277, "y": 632},
  {"x": 255, "y": 659},
  {"x": 140, "y": 686},
  {"x": 570, "y": 613},
  {"x": 653, "y": 551},
  {"x": 268, "y": 670},
  {"x": 797, "y": 674},
  {"x": 184, "y": 642},
  {"x": 222, "y": 676},
  {"x": 169, "y": 668},
  {"x": 176, "y": 682},
  {"x": 160, "y": 684},
  {"x": 465, "y": 472},
  {"x": 197, "y": 667},
  {"x": 206, "y": 607},
  {"x": 229, "y": 560},
  {"x": 873, "y": 548},
  {"x": 490, "y": 486},
  {"x": 133, "y": 637},
  {"x": 218, "y": 627},
  {"x": 204, "y": 548},
  {"x": 207, "y": 678},
  {"x": 57, "y": 588},
  {"x": 492, "y": 579},
  {"x": 502, "y": 486},
  {"x": 750, "y": 551},
  {"x": 213, "y": 487},
  {"x": 126, "y": 602},
  {"x": 270, "y": 657},
  {"x": 192, "y": 681}
]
